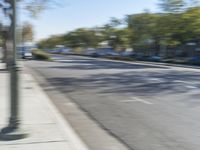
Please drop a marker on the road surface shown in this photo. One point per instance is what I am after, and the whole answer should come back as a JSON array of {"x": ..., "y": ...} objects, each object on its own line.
[{"x": 147, "y": 107}]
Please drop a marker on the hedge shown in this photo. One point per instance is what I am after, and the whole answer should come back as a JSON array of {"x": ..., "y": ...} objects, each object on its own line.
[{"x": 40, "y": 55}]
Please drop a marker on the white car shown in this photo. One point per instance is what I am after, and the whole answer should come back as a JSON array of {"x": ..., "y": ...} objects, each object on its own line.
[{"x": 28, "y": 55}]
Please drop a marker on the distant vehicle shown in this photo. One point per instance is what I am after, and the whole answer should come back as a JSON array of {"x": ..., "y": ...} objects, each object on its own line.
[
  {"x": 141, "y": 56},
  {"x": 66, "y": 51},
  {"x": 27, "y": 55},
  {"x": 52, "y": 51},
  {"x": 55, "y": 51},
  {"x": 100, "y": 53},
  {"x": 90, "y": 51},
  {"x": 113, "y": 53},
  {"x": 194, "y": 60},
  {"x": 106, "y": 52},
  {"x": 25, "y": 52},
  {"x": 127, "y": 54},
  {"x": 95, "y": 54},
  {"x": 154, "y": 58},
  {"x": 60, "y": 50}
]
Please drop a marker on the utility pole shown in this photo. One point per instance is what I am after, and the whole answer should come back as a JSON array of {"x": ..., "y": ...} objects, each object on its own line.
[{"x": 12, "y": 131}]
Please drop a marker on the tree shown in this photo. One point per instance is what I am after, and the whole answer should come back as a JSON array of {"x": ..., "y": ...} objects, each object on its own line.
[
  {"x": 115, "y": 35},
  {"x": 190, "y": 25},
  {"x": 145, "y": 29},
  {"x": 27, "y": 32},
  {"x": 82, "y": 38},
  {"x": 116, "y": 38},
  {"x": 114, "y": 22},
  {"x": 51, "y": 42},
  {"x": 33, "y": 7},
  {"x": 172, "y": 6},
  {"x": 145, "y": 32}
]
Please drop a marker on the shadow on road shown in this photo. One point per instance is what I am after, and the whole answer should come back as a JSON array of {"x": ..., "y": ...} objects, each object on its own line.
[
  {"x": 150, "y": 83},
  {"x": 163, "y": 81}
]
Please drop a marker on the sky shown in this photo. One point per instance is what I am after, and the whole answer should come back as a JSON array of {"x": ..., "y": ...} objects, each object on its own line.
[{"x": 73, "y": 14}]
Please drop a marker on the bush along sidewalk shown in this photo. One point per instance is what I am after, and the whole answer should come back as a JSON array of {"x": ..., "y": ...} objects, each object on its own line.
[{"x": 40, "y": 55}]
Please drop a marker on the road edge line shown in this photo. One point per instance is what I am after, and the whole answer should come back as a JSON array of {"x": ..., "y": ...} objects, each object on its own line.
[{"x": 73, "y": 138}]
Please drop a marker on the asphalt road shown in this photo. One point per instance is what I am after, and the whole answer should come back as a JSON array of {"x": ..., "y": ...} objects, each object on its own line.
[{"x": 147, "y": 107}]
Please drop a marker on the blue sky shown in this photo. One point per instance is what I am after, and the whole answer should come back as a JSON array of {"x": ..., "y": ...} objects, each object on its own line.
[{"x": 84, "y": 13}]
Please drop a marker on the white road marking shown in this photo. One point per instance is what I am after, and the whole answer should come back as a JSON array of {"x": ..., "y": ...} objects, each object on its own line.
[
  {"x": 155, "y": 80},
  {"x": 179, "y": 81},
  {"x": 63, "y": 60},
  {"x": 187, "y": 82},
  {"x": 136, "y": 99},
  {"x": 191, "y": 87}
]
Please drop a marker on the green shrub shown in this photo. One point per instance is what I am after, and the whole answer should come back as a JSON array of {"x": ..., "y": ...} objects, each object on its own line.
[{"x": 40, "y": 55}]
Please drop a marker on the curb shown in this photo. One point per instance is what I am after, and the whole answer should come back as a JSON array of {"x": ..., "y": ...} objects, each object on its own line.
[{"x": 74, "y": 140}]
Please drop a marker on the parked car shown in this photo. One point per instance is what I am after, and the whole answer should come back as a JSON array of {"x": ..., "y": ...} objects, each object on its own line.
[
  {"x": 127, "y": 54},
  {"x": 140, "y": 56},
  {"x": 102, "y": 52},
  {"x": 53, "y": 51},
  {"x": 112, "y": 53},
  {"x": 95, "y": 54},
  {"x": 24, "y": 52},
  {"x": 90, "y": 51},
  {"x": 66, "y": 51},
  {"x": 99, "y": 53},
  {"x": 154, "y": 58},
  {"x": 27, "y": 55},
  {"x": 195, "y": 60}
]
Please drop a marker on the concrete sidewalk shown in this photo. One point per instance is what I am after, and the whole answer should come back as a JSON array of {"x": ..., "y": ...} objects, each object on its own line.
[{"x": 40, "y": 119}]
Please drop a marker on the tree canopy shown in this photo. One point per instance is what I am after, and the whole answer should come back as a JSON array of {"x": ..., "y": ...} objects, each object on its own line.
[
  {"x": 27, "y": 32},
  {"x": 172, "y": 6},
  {"x": 177, "y": 24}
]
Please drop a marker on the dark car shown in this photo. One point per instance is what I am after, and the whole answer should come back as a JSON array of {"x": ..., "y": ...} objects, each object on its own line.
[
  {"x": 102, "y": 52},
  {"x": 194, "y": 60},
  {"x": 154, "y": 58},
  {"x": 140, "y": 56}
]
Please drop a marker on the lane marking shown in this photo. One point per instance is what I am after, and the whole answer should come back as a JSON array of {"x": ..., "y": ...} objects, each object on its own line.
[
  {"x": 181, "y": 81},
  {"x": 191, "y": 87},
  {"x": 63, "y": 60},
  {"x": 155, "y": 79},
  {"x": 136, "y": 99},
  {"x": 187, "y": 82}
]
